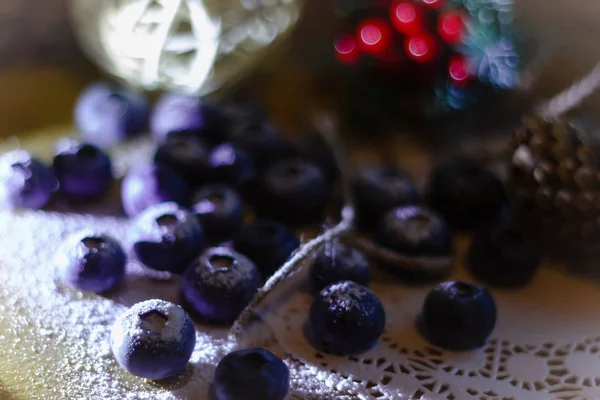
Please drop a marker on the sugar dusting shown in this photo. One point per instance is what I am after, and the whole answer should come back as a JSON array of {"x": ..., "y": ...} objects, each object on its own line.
[{"x": 56, "y": 340}]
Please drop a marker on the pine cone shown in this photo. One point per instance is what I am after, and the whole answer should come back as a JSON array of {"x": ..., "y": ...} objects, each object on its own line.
[{"x": 556, "y": 170}]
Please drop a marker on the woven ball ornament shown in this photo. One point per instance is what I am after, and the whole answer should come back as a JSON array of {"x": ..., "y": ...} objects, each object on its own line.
[{"x": 194, "y": 46}]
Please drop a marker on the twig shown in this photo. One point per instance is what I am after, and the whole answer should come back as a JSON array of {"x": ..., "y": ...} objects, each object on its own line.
[
  {"x": 344, "y": 227},
  {"x": 437, "y": 265},
  {"x": 571, "y": 97}
]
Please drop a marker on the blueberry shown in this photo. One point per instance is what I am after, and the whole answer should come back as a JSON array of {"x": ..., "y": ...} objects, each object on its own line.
[
  {"x": 379, "y": 188},
  {"x": 251, "y": 374},
  {"x": 106, "y": 114},
  {"x": 83, "y": 170},
  {"x": 502, "y": 254},
  {"x": 293, "y": 192},
  {"x": 313, "y": 147},
  {"x": 259, "y": 139},
  {"x": 231, "y": 165},
  {"x": 24, "y": 181},
  {"x": 220, "y": 210},
  {"x": 187, "y": 156},
  {"x": 152, "y": 184},
  {"x": 458, "y": 315},
  {"x": 466, "y": 194},
  {"x": 219, "y": 284},
  {"x": 92, "y": 261},
  {"x": 167, "y": 238},
  {"x": 346, "y": 318},
  {"x": 176, "y": 113},
  {"x": 337, "y": 262},
  {"x": 267, "y": 243},
  {"x": 414, "y": 231},
  {"x": 154, "y": 339}
]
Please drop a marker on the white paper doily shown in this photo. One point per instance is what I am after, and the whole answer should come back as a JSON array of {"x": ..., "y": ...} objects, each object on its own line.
[{"x": 54, "y": 340}]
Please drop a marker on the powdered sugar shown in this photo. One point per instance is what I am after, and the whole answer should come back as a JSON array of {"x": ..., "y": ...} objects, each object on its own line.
[
  {"x": 346, "y": 292},
  {"x": 55, "y": 341}
]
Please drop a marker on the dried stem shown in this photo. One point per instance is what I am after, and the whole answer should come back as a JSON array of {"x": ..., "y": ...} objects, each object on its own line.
[
  {"x": 344, "y": 227},
  {"x": 571, "y": 97},
  {"x": 435, "y": 265}
]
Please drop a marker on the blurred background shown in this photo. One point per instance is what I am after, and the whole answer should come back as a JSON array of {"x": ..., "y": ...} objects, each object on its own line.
[{"x": 42, "y": 67}]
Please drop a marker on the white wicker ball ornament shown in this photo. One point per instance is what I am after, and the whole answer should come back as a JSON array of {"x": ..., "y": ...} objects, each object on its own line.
[{"x": 194, "y": 46}]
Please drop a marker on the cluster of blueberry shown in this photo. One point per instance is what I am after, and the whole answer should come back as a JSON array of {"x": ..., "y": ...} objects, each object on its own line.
[{"x": 229, "y": 155}]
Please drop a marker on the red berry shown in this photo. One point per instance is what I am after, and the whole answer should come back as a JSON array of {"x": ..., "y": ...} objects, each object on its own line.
[
  {"x": 406, "y": 17},
  {"x": 433, "y": 3},
  {"x": 421, "y": 48},
  {"x": 373, "y": 36},
  {"x": 458, "y": 69},
  {"x": 451, "y": 27},
  {"x": 345, "y": 49}
]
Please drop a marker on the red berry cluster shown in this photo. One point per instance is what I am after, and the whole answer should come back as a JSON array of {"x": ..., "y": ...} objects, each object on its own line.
[{"x": 417, "y": 31}]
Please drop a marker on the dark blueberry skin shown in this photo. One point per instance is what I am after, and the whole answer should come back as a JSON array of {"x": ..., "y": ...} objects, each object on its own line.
[
  {"x": 294, "y": 192},
  {"x": 220, "y": 284},
  {"x": 92, "y": 261},
  {"x": 259, "y": 139},
  {"x": 176, "y": 113},
  {"x": 106, "y": 114},
  {"x": 414, "y": 231},
  {"x": 379, "y": 188},
  {"x": 25, "y": 182},
  {"x": 458, "y": 315},
  {"x": 346, "y": 318},
  {"x": 337, "y": 262},
  {"x": 220, "y": 211},
  {"x": 186, "y": 155},
  {"x": 466, "y": 194},
  {"x": 152, "y": 184},
  {"x": 167, "y": 238},
  {"x": 504, "y": 255},
  {"x": 250, "y": 374},
  {"x": 231, "y": 165},
  {"x": 267, "y": 243},
  {"x": 314, "y": 148},
  {"x": 83, "y": 170},
  {"x": 154, "y": 339}
]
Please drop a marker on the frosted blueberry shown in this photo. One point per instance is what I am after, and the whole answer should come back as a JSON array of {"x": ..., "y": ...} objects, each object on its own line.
[
  {"x": 154, "y": 339},
  {"x": 167, "y": 238},
  {"x": 219, "y": 284},
  {"x": 346, "y": 318},
  {"x": 92, "y": 261}
]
